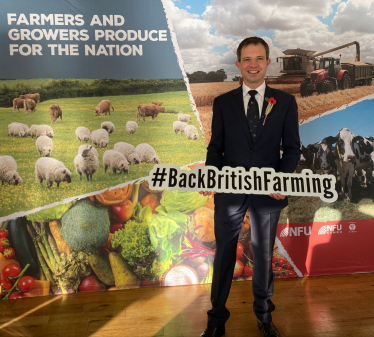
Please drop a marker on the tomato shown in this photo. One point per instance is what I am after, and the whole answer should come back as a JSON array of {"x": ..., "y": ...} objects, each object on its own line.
[
  {"x": 288, "y": 267},
  {"x": 282, "y": 261},
  {"x": 6, "y": 285},
  {"x": 3, "y": 233},
  {"x": 278, "y": 269},
  {"x": 16, "y": 295},
  {"x": 239, "y": 250},
  {"x": 11, "y": 269},
  {"x": 248, "y": 271},
  {"x": 90, "y": 283},
  {"x": 274, "y": 259},
  {"x": 4, "y": 243},
  {"x": 273, "y": 265},
  {"x": 123, "y": 212},
  {"x": 115, "y": 227},
  {"x": 26, "y": 284},
  {"x": 291, "y": 274},
  {"x": 238, "y": 268},
  {"x": 9, "y": 252}
]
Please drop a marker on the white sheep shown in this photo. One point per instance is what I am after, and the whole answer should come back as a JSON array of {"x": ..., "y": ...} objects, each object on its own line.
[
  {"x": 116, "y": 161},
  {"x": 15, "y": 129},
  {"x": 191, "y": 132},
  {"x": 100, "y": 138},
  {"x": 184, "y": 117},
  {"x": 87, "y": 146},
  {"x": 82, "y": 133},
  {"x": 147, "y": 154},
  {"x": 51, "y": 170},
  {"x": 32, "y": 130},
  {"x": 128, "y": 151},
  {"x": 24, "y": 126},
  {"x": 8, "y": 171},
  {"x": 44, "y": 130},
  {"x": 108, "y": 126},
  {"x": 131, "y": 127},
  {"x": 179, "y": 126},
  {"x": 44, "y": 145},
  {"x": 87, "y": 162}
]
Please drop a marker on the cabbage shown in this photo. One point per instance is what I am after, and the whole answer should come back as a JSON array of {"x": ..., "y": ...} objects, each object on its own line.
[
  {"x": 182, "y": 201},
  {"x": 49, "y": 214}
]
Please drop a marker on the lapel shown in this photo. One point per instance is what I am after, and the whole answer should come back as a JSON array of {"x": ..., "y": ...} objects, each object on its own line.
[
  {"x": 269, "y": 92},
  {"x": 238, "y": 105}
]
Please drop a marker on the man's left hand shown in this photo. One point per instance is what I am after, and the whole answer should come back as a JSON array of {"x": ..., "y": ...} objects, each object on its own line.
[{"x": 277, "y": 196}]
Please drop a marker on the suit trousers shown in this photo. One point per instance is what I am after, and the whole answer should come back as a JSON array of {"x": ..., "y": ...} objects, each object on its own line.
[{"x": 228, "y": 219}]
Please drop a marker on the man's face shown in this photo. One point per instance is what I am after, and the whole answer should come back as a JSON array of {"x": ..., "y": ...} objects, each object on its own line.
[{"x": 253, "y": 64}]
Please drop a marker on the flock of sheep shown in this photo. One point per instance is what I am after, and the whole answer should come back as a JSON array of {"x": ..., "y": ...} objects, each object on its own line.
[{"x": 86, "y": 161}]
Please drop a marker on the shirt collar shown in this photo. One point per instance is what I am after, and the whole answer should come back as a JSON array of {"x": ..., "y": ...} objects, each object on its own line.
[{"x": 260, "y": 90}]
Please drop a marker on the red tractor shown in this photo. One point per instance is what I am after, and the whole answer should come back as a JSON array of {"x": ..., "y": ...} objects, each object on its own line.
[{"x": 329, "y": 77}]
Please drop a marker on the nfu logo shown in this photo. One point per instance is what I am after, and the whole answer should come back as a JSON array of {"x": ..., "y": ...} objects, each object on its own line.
[
  {"x": 330, "y": 229},
  {"x": 297, "y": 231},
  {"x": 352, "y": 228}
]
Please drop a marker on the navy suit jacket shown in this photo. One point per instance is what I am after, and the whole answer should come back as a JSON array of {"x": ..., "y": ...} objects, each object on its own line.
[{"x": 231, "y": 143}]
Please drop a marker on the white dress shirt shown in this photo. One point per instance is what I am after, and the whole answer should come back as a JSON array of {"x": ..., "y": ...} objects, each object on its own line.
[{"x": 259, "y": 97}]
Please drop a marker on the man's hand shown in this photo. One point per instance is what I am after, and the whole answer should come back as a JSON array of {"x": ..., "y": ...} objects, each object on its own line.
[
  {"x": 207, "y": 193},
  {"x": 277, "y": 196}
]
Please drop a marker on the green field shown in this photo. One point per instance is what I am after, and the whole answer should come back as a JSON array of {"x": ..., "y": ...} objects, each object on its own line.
[{"x": 170, "y": 148}]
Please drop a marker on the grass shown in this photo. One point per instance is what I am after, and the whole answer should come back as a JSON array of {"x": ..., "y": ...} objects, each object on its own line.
[{"x": 170, "y": 148}]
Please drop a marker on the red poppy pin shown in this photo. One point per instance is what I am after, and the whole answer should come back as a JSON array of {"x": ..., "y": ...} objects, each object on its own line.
[{"x": 271, "y": 102}]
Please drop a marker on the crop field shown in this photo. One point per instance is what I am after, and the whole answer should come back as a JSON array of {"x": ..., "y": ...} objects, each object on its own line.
[{"x": 170, "y": 148}]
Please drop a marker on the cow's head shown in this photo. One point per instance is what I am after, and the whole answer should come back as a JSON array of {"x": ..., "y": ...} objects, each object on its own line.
[
  {"x": 343, "y": 150},
  {"x": 323, "y": 155}
]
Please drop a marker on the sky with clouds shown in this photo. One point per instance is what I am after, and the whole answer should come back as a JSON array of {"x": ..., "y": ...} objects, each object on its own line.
[{"x": 209, "y": 31}]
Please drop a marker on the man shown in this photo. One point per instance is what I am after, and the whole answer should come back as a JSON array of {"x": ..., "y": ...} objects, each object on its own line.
[{"x": 242, "y": 136}]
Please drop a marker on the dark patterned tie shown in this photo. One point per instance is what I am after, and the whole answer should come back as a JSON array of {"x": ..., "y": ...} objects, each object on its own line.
[{"x": 252, "y": 113}]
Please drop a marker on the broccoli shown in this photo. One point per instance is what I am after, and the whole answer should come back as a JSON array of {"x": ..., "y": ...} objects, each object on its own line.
[{"x": 85, "y": 226}]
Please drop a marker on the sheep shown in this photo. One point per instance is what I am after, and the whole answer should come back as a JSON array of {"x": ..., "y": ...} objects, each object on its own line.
[
  {"x": 128, "y": 151},
  {"x": 86, "y": 162},
  {"x": 108, "y": 126},
  {"x": 179, "y": 126},
  {"x": 131, "y": 127},
  {"x": 44, "y": 145},
  {"x": 87, "y": 146},
  {"x": 15, "y": 129},
  {"x": 147, "y": 154},
  {"x": 184, "y": 117},
  {"x": 32, "y": 130},
  {"x": 8, "y": 171},
  {"x": 116, "y": 161},
  {"x": 82, "y": 133},
  {"x": 51, "y": 170},
  {"x": 100, "y": 138},
  {"x": 44, "y": 130},
  {"x": 191, "y": 132}
]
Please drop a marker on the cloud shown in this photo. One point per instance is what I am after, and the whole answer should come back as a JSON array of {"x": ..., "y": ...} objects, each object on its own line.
[
  {"x": 355, "y": 16},
  {"x": 188, "y": 7}
]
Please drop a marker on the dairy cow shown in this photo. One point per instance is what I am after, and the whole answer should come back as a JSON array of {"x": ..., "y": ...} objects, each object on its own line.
[
  {"x": 363, "y": 148},
  {"x": 323, "y": 156},
  {"x": 306, "y": 159}
]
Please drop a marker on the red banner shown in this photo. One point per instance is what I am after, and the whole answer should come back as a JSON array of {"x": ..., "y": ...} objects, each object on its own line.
[{"x": 325, "y": 248}]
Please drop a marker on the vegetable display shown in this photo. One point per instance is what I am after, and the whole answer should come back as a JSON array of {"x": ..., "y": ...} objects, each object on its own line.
[{"x": 124, "y": 238}]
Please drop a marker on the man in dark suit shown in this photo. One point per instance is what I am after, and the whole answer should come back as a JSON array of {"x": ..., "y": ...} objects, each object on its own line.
[{"x": 243, "y": 135}]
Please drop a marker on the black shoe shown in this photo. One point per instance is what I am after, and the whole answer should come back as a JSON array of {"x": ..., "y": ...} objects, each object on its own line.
[
  {"x": 212, "y": 331},
  {"x": 268, "y": 329}
]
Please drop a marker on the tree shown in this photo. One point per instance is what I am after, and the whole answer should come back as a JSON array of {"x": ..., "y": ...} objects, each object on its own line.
[
  {"x": 212, "y": 76},
  {"x": 236, "y": 78}
]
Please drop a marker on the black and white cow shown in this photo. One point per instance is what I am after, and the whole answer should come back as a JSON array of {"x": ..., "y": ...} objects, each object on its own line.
[
  {"x": 306, "y": 160},
  {"x": 363, "y": 148},
  {"x": 323, "y": 156},
  {"x": 345, "y": 159}
]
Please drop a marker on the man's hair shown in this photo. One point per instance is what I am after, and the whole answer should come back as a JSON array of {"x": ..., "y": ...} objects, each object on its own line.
[{"x": 252, "y": 40}]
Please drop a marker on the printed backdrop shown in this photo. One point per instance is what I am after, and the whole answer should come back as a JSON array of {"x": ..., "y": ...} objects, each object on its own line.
[{"x": 75, "y": 213}]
